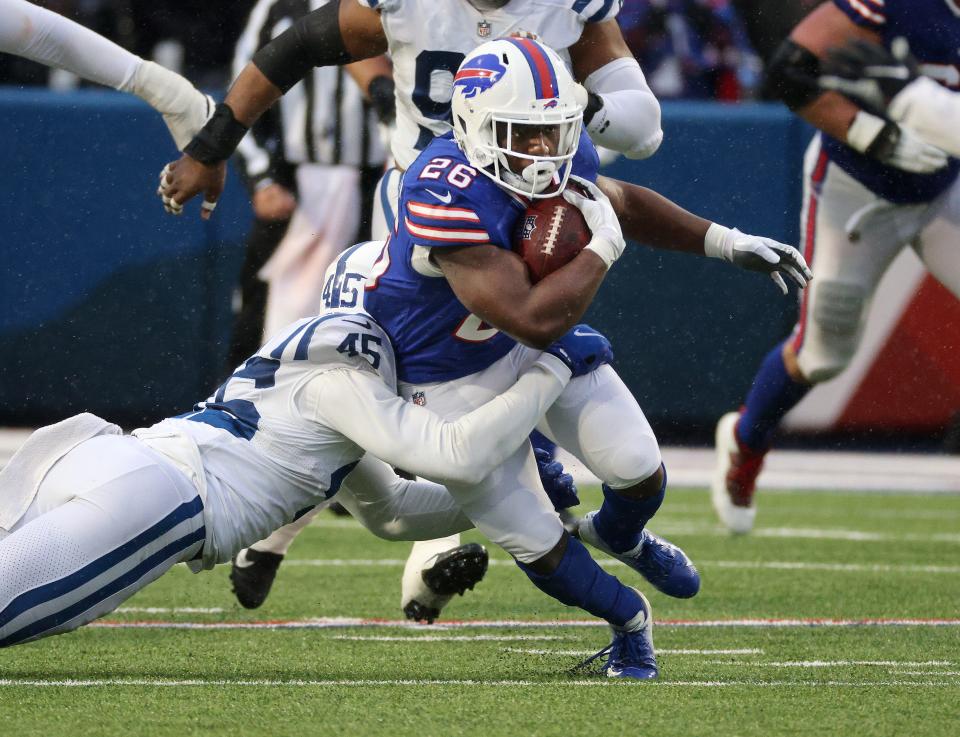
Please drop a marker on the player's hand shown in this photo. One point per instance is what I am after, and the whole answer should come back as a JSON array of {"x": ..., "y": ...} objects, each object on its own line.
[
  {"x": 893, "y": 145},
  {"x": 756, "y": 253},
  {"x": 868, "y": 73},
  {"x": 607, "y": 241},
  {"x": 274, "y": 202},
  {"x": 582, "y": 349},
  {"x": 186, "y": 177},
  {"x": 556, "y": 482}
]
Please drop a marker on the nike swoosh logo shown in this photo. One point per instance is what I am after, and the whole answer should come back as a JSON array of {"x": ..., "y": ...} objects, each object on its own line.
[
  {"x": 366, "y": 325},
  {"x": 580, "y": 334},
  {"x": 445, "y": 199}
]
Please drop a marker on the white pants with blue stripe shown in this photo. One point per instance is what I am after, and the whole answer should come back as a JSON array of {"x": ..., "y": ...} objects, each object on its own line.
[
  {"x": 386, "y": 200},
  {"x": 110, "y": 517}
]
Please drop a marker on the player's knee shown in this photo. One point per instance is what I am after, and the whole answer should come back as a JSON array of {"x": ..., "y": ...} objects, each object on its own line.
[
  {"x": 836, "y": 319},
  {"x": 635, "y": 464}
]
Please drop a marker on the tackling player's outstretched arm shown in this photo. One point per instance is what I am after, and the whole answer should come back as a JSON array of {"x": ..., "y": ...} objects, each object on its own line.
[
  {"x": 358, "y": 404},
  {"x": 650, "y": 218},
  {"x": 334, "y": 34}
]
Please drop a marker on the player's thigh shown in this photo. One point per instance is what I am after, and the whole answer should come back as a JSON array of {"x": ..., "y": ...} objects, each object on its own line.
[
  {"x": 850, "y": 237},
  {"x": 510, "y": 507},
  {"x": 110, "y": 517},
  {"x": 938, "y": 245},
  {"x": 386, "y": 199},
  {"x": 599, "y": 421}
]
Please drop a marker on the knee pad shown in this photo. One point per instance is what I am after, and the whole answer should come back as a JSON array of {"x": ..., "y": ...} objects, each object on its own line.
[
  {"x": 834, "y": 330},
  {"x": 633, "y": 464}
]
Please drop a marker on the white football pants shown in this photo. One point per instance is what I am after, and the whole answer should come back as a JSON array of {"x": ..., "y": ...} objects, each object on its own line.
[
  {"x": 850, "y": 238},
  {"x": 110, "y": 517}
]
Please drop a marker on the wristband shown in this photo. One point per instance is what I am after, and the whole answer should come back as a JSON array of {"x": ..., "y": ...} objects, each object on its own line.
[
  {"x": 381, "y": 93},
  {"x": 594, "y": 105},
  {"x": 218, "y": 139}
]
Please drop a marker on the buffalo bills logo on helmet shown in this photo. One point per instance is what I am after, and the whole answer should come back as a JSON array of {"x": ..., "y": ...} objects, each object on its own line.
[
  {"x": 553, "y": 103},
  {"x": 479, "y": 74}
]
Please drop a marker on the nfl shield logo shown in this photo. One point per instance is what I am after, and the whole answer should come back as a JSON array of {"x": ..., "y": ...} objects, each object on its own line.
[
  {"x": 483, "y": 29},
  {"x": 529, "y": 225},
  {"x": 419, "y": 399}
]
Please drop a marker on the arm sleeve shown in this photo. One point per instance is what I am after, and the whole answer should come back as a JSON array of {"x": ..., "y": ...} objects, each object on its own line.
[
  {"x": 48, "y": 38},
  {"x": 931, "y": 111},
  {"x": 629, "y": 120},
  {"x": 361, "y": 407}
]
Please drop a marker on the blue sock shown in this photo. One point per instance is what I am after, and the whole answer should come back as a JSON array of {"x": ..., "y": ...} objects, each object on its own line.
[
  {"x": 580, "y": 582},
  {"x": 772, "y": 395},
  {"x": 621, "y": 520}
]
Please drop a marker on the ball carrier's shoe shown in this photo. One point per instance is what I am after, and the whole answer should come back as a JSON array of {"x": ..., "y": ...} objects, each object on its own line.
[
  {"x": 444, "y": 574},
  {"x": 668, "y": 569},
  {"x": 734, "y": 481},
  {"x": 630, "y": 654},
  {"x": 251, "y": 575}
]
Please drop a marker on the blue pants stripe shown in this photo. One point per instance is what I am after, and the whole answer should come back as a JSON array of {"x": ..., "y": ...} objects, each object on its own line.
[
  {"x": 118, "y": 584},
  {"x": 47, "y": 592}
]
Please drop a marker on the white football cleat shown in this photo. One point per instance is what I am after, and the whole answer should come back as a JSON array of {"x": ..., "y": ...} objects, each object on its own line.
[{"x": 734, "y": 477}]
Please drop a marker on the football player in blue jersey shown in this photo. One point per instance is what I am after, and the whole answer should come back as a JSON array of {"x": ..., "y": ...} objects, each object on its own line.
[
  {"x": 89, "y": 516},
  {"x": 872, "y": 187}
]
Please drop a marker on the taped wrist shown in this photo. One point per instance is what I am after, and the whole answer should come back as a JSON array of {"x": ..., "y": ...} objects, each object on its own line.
[
  {"x": 791, "y": 75},
  {"x": 381, "y": 93},
  {"x": 218, "y": 139},
  {"x": 313, "y": 41},
  {"x": 873, "y": 136}
]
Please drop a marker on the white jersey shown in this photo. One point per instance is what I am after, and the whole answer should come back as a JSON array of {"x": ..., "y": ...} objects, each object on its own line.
[{"x": 428, "y": 40}]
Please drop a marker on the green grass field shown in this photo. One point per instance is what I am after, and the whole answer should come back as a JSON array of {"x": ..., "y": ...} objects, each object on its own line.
[{"x": 840, "y": 557}]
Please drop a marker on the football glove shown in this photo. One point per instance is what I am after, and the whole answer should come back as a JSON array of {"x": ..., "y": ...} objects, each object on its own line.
[
  {"x": 556, "y": 482},
  {"x": 756, "y": 253},
  {"x": 869, "y": 74},
  {"x": 582, "y": 349}
]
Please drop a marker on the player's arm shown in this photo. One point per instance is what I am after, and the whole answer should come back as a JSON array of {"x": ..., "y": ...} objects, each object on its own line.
[
  {"x": 48, "y": 38},
  {"x": 650, "y": 218},
  {"x": 621, "y": 111},
  {"x": 336, "y": 33},
  {"x": 792, "y": 74},
  {"x": 889, "y": 83},
  {"x": 363, "y": 408}
]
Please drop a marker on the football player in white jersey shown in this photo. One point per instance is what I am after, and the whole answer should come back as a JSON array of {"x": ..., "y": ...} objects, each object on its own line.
[
  {"x": 48, "y": 38},
  {"x": 89, "y": 516}
]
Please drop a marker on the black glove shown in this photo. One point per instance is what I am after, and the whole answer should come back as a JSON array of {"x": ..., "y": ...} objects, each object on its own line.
[{"x": 867, "y": 73}]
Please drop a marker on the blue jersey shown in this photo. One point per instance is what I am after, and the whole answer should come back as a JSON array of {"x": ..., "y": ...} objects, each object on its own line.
[
  {"x": 445, "y": 202},
  {"x": 933, "y": 29}
]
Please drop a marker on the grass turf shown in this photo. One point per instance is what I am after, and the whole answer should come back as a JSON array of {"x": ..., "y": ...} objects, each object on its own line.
[{"x": 837, "y": 556}]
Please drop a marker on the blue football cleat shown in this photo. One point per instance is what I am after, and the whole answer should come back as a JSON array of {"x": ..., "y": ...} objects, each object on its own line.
[
  {"x": 630, "y": 654},
  {"x": 663, "y": 564}
]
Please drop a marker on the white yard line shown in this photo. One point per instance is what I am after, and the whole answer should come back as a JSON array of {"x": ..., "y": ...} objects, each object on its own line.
[
  {"x": 168, "y": 610},
  {"x": 448, "y": 638},
  {"x": 660, "y": 651},
  {"x": 366, "y": 683},
  {"x": 342, "y": 622}
]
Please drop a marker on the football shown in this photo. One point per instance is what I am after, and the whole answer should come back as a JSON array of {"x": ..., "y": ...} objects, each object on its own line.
[{"x": 549, "y": 234}]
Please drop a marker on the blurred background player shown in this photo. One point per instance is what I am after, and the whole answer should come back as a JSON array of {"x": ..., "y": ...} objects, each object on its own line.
[
  {"x": 50, "y": 39},
  {"x": 872, "y": 187}
]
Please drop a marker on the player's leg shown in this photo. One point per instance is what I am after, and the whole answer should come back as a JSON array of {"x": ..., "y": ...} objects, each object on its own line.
[
  {"x": 511, "y": 509},
  {"x": 598, "y": 420},
  {"x": 938, "y": 245},
  {"x": 850, "y": 237},
  {"x": 109, "y": 517},
  {"x": 253, "y": 569}
]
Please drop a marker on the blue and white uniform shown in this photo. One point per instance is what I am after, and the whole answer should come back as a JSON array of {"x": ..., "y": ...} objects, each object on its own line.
[
  {"x": 89, "y": 516},
  {"x": 445, "y": 202},
  {"x": 859, "y": 214}
]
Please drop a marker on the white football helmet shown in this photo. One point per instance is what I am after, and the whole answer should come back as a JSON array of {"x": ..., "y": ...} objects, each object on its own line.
[{"x": 504, "y": 86}]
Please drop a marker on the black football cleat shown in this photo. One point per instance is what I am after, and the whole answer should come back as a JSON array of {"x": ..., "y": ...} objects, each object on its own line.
[
  {"x": 451, "y": 572},
  {"x": 252, "y": 573}
]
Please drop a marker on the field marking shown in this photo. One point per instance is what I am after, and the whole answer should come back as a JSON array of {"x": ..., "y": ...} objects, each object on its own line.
[
  {"x": 660, "y": 651},
  {"x": 610, "y": 563},
  {"x": 169, "y": 610},
  {"x": 340, "y": 622},
  {"x": 447, "y": 638},
  {"x": 365, "y": 683},
  {"x": 847, "y": 663}
]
